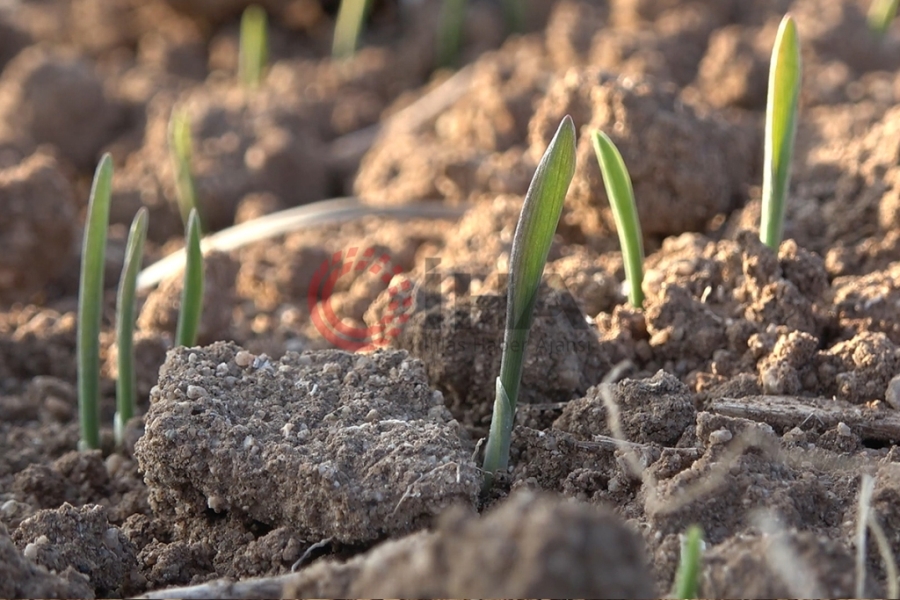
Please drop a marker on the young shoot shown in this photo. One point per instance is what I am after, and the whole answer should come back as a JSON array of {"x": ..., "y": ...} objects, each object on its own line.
[
  {"x": 781, "y": 126},
  {"x": 181, "y": 151},
  {"x": 514, "y": 12},
  {"x": 531, "y": 244},
  {"x": 192, "y": 289},
  {"x": 687, "y": 579},
  {"x": 125, "y": 392},
  {"x": 254, "y": 47},
  {"x": 450, "y": 32},
  {"x": 621, "y": 198},
  {"x": 881, "y": 13},
  {"x": 90, "y": 304},
  {"x": 347, "y": 29}
]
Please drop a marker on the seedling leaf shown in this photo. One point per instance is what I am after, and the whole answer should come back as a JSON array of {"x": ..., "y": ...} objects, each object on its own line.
[
  {"x": 450, "y": 32},
  {"x": 881, "y": 13},
  {"x": 781, "y": 126},
  {"x": 687, "y": 579},
  {"x": 90, "y": 304},
  {"x": 621, "y": 198},
  {"x": 350, "y": 18},
  {"x": 531, "y": 244},
  {"x": 254, "y": 52},
  {"x": 125, "y": 384},
  {"x": 181, "y": 150},
  {"x": 192, "y": 290}
]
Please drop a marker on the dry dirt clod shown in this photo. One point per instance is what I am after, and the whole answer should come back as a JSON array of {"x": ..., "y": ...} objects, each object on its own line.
[
  {"x": 82, "y": 539},
  {"x": 287, "y": 444},
  {"x": 532, "y": 545}
]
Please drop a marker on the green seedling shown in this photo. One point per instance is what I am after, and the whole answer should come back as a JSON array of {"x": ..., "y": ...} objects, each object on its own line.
[
  {"x": 621, "y": 198},
  {"x": 687, "y": 579},
  {"x": 781, "y": 127},
  {"x": 254, "y": 51},
  {"x": 347, "y": 29},
  {"x": 450, "y": 32},
  {"x": 192, "y": 289},
  {"x": 881, "y": 13},
  {"x": 514, "y": 12},
  {"x": 125, "y": 385},
  {"x": 181, "y": 151},
  {"x": 531, "y": 244},
  {"x": 90, "y": 304}
]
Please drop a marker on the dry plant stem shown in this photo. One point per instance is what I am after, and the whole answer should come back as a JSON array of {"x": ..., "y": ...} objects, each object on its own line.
[
  {"x": 785, "y": 561},
  {"x": 181, "y": 150},
  {"x": 192, "y": 290},
  {"x": 881, "y": 13},
  {"x": 350, "y": 18},
  {"x": 125, "y": 383},
  {"x": 887, "y": 557},
  {"x": 90, "y": 304},
  {"x": 254, "y": 47},
  {"x": 781, "y": 126},
  {"x": 866, "y": 487},
  {"x": 531, "y": 244},
  {"x": 621, "y": 198},
  {"x": 336, "y": 210}
]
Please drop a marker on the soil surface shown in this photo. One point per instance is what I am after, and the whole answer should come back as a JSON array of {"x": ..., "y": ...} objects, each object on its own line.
[{"x": 324, "y": 437}]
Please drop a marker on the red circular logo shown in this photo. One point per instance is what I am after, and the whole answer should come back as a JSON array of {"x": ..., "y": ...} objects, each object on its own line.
[{"x": 343, "y": 333}]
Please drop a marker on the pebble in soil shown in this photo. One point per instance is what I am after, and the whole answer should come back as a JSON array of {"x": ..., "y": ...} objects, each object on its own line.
[{"x": 326, "y": 444}]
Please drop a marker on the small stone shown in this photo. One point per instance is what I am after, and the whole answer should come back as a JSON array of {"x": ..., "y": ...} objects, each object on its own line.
[
  {"x": 843, "y": 430},
  {"x": 243, "y": 359},
  {"x": 195, "y": 391},
  {"x": 892, "y": 393},
  {"x": 720, "y": 436}
]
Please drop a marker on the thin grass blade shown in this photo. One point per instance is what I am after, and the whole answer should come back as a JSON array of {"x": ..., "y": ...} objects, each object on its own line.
[
  {"x": 514, "y": 12},
  {"x": 450, "y": 32},
  {"x": 125, "y": 385},
  {"x": 181, "y": 150},
  {"x": 531, "y": 244},
  {"x": 192, "y": 290},
  {"x": 687, "y": 579},
  {"x": 621, "y": 198},
  {"x": 254, "y": 46},
  {"x": 347, "y": 29},
  {"x": 781, "y": 127},
  {"x": 881, "y": 13},
  {"x": 90, "y": 304}
]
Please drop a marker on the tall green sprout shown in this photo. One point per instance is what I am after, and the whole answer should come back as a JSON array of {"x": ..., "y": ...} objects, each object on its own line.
[
  {"x": 192, "y": 289},
  {"x": 254, "y": 51},
  {"x": 125, "y": 385},
  {"x": 881, "y": 13},
  {"x": 181, "y": 151},
  {"x": 687, "y": 579},
  {"x": 621, "y": 199},
  {"x": 514, "y": 12},
  {"x": 531, "y": 244},
  {"x": 450, "y": 32},
  {"x": 350, "y": 19},
  {"x": 781, "y": 127},
  {"x": 90, "y": 304}
]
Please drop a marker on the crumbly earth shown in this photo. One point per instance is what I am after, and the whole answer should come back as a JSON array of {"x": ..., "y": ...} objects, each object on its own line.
[
  {"x": 328, "y": 444},
  {"x": 750, "y": 394}
]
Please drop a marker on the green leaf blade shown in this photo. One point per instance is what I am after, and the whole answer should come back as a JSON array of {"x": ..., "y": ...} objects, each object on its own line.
[
  {"x": 621, "y": 198},
  {"x": 347, "y": 29},
  {"x": 450, "y": 31},
  {"x": 687, "y": 579},
  {"x": 254, "y": 46},
  {"x": 531, "y": 245},
  {"x": 192, "y": 290},
  {"x": 781, "y": 127},
  {"x": 125, "y": 384},
  {"x": 182, "y": 149},
  {"x": 90, "y": 303},
  {"x": 880, "y": 15}
]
